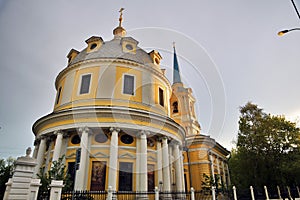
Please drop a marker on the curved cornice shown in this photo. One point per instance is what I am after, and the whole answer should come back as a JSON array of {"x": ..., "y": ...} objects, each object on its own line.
[
  {"x": 116, "y": 113},
  {"x": 107, "y": 60}
]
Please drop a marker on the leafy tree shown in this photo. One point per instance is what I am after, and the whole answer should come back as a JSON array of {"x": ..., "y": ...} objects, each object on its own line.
[
  {"x": 6, "y": 170},
  {"x": 210, "y": 181},
  {"x": 56, "y": 172},
  {"x": 267, "y": 150}
]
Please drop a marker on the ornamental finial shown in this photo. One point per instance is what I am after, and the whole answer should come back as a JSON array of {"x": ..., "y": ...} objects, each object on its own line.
[
  {"x": 174, "y": 44},
  {"x": 121, "y": 16}
]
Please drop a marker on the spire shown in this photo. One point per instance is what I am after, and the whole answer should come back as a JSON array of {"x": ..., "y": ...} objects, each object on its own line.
[
  {"x": 176, "y": 74},
  {"x": 120, "y": 31}
]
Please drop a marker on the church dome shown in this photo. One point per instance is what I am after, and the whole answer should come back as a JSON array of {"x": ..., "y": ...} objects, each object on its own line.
[{"x": 118, "y": 48}]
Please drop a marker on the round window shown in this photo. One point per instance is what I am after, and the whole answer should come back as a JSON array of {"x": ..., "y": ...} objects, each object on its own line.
[
  {"x": 75, "y": 139},
  {"x": 127, "y": 139},
  {"x": 93, "y": 46},
  {"x": 129, "y": 47},
  {"x": 101, "y": 138}
]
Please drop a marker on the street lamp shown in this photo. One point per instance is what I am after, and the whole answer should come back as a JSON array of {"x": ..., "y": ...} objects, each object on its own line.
[{"x": 281, "y": 33}]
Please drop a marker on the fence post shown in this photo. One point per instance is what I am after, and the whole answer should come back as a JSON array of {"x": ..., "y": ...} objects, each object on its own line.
[
  {"x": 156, "y": 193},
  {"x": 278, "y": 191},
  {"x": 7, "y": 190},
  {"x": 213, "y": 192},
  {"x": 109, "y": 193},
  {"x": 192, "y": 193},
  {"x": 55, "y": 191},
  {"x": 266, "y": 191},
  {"x": 289, "y": 192},
  {"x": 298, "y": 191},
  {"x": 234, "y": 193},
  {"x": 252, "y": 193},
  {"x": 34, "y": 188}
]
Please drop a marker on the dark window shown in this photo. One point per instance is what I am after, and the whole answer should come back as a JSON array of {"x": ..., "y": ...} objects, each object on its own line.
[
  {"x": 93, "y": 46},
  {"x": 127, "y": 139},
  {"x": 85, "y": 84},
  {"x": 125, "y": 176},
  {"x": 75, "y": 139},
  {"x": 161, "y": 97},
  {"x": 98, "y": 176},
  {"x": 151, "y": 179},
  {"x": 71, "y": 171},
  {"x": 58, "y": 95},
  {"x": 101, "y": 138},
  {"x": 175, "y": 107},
  {"x": 128, "y": 87}
]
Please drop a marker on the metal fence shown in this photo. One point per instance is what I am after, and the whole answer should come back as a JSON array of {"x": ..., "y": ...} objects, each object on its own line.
[{"x": 84, "y": 195}]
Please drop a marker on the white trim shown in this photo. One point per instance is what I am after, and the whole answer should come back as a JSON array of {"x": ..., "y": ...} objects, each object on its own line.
[
  {"x": 134, "y": 84},
  {"x": 80, "y": 81}
]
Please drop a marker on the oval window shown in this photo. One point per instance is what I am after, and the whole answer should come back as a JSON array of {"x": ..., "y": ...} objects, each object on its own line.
[
  {"x": 127, "y": 139},
  {"x": 75, "y": 139},
  {"x": 129, "y": 47},
  {"x": 101, "y": 138},
  {"x": 93, "y": 46}
]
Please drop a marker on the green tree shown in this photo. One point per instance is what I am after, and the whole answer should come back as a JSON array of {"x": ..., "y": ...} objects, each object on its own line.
[
  {"x": 6, "y": 170},
  {"x": 56, "y": 172},
  {"x": 267, "y": 150}
]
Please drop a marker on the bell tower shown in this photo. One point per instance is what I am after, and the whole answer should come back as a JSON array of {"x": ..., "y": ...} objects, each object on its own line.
[{"x": 182, "y": 102}]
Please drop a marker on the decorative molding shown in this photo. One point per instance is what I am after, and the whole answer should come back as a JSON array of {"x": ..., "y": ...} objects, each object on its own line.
[{"x": 127, "y": 155}]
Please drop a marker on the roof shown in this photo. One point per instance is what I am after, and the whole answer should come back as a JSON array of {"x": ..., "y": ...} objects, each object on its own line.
[{"x": 113, "y": 50}]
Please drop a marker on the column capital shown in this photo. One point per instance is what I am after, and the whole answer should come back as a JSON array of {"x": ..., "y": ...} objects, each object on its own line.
[
  {"x": 112, "y": 129},
  {"x": 58, "y": 132},
  {"x": 83, "y": 129},
  {"x": 142, "y": 133}
]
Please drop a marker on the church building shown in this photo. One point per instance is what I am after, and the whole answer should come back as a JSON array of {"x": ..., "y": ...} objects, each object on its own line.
[{"x": 118, "y": 121}]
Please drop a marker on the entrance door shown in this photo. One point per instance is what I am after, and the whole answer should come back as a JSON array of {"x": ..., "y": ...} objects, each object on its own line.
[{"x": 125, "y": 176}]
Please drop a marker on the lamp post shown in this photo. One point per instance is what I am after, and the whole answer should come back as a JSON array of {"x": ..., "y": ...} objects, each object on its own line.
[{"x": 281, "y": 33}]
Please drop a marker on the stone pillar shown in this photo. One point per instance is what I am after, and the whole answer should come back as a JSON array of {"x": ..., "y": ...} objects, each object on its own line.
[
  {"x": 80, "y": 183},
  {"x": 212, "y": 166},
  {"x": 57, "y": 147},
  {"x": 113, "y": 159},
  {"x": 228, "y": 175},
  {"x": 55, "y": 191},
  {"x": 137, "y": 163},
  {"x": 7, "y": 189},
  {"x": 40, "y": 155},
  {"x": 34, "y": 188},
  {"x": 22, "y": 177},
  {"x": 182, "y": 168},
  {"x": 165, "y": 162},
  {"x": 171, "y": 165},
  {"x": 178, "y": 168},
  {"x": 143, "y": 163},
  {"x": 159, "y": 162},
  {"x": 224, "y": 174}
]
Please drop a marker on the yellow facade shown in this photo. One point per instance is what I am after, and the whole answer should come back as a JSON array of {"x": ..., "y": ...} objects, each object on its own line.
[{"x": 117, "y": 107}]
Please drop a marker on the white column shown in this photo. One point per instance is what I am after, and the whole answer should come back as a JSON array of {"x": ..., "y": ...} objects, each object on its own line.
[
  {"x": 137, "y": 163},
  {"x": 159, "y": 162},
  {"x": 80, "y": 183},
  {"x": 40, "y": 155},
  {"x": 212, "y": 166},
  {"x": 182, "y": 169},
  {"x": 113, "y": 159},
  {"x": 57, "y": 147},
  {"x": 178, "y": 168},
  {"x": 224, "y": 174},
  {"x": 165, "y": 161},
  {"x": 228, "y": 175},
  {"x": 143, "y": 163},
  {"x": 171, "y": 166}
]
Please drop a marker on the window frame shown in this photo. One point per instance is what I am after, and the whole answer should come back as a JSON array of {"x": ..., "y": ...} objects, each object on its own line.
[
  {"x": 80, "y": 84},
  {"x": 123, "y": 84},
  {"x": 161, "y": 101}
]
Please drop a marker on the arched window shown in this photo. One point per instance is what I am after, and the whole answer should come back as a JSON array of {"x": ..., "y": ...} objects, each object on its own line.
[{"x": 175, "y": 107}]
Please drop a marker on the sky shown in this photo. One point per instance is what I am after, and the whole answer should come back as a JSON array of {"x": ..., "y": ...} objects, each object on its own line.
[{"x": 229, "y": 53}]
